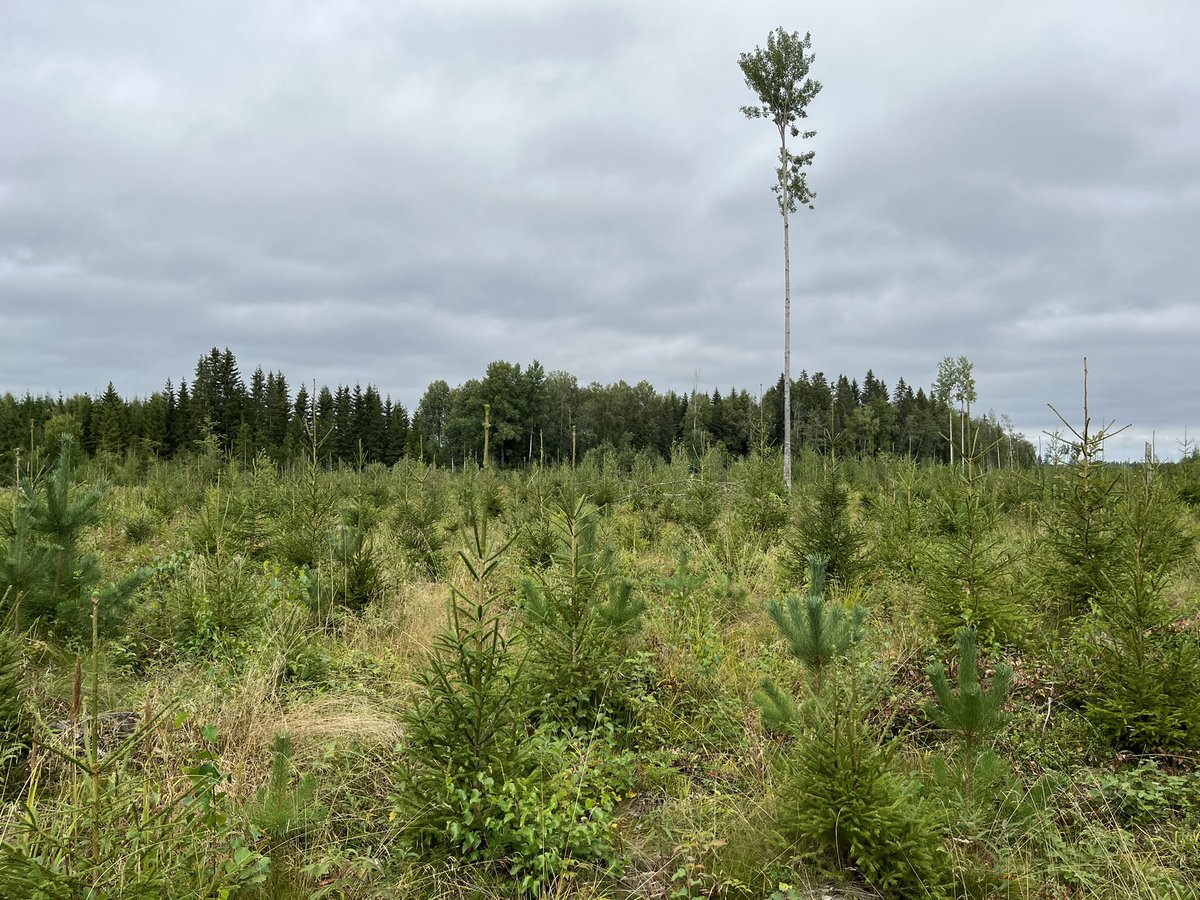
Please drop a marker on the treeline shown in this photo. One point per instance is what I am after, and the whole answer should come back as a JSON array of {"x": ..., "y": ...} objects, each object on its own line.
[{"x": 523, "y": 415}]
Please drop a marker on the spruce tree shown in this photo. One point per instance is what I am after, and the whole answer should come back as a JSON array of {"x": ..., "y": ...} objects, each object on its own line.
[
  {"x": 577, "y": 615},
  {"x": 825, "y": 526},
  {"x": 1079, "y": 540},
  {"x": 465, "y": 727},
  {"x": 1143, "y": 656}
]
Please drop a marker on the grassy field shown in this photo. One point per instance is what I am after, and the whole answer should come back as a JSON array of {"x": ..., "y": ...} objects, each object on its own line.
[{"x": 229, "y": 681}]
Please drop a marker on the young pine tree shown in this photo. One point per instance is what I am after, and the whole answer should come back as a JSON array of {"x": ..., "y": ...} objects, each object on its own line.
[
  {"x": 817, "y": 632},
  {"x": 971, "y": 713},
  {"x": 283, "y": 811}
]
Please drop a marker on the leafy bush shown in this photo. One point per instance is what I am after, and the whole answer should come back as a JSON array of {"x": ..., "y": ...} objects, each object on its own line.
[
  {"x": 540, "y": 818},
  {"x": 1144, "y": 794}
]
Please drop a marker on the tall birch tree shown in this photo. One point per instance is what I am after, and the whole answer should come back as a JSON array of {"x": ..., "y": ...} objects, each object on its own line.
[{"x": 778, "y": 74}]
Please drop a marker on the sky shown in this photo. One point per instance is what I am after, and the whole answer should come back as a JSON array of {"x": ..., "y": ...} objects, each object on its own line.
[{"x": 398, "y": 192}]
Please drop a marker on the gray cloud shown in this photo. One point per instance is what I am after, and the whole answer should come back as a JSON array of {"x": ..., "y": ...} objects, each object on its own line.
[{"x": 402, "y": 192}]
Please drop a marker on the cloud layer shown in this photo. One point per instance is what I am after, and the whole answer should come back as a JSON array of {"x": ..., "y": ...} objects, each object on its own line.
[{"x": 401, "y": 192}]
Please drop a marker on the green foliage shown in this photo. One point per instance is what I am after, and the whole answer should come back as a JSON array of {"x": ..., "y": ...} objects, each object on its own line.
[
  {"x": 541, "y": 817},
  {"x": 817, "y": 632},
  {"x": 46, "y": 574},
  {"x": 213, "y": 601},
  {"x": 139, "y": 526},
  {"x": 25, "y": 563},
  {"x": 1078, "y": 542},
  {"x": 419, "y": 519},
  {"x": 901, "y": 517},
  {"x": 842, "y": 798},
  {"x": 115, "y": 833},
  {"x": 286, "y": 812},
  {"x": 465, "y": 724},
  {"x": 14, "y": 721},
  {"x": 971, "y": 713},
  {"x": 758, "y": 505},
  {"x": 530, "y": 519},
  {"x": 225, "y": 521},
  {"x": 306, "y": 518},
  {"x": 967, "y": 568},
  {"x": 825, "y": 526},
  {"x": 1145, "y": 691},
  {"x": 357, "y": 576},
  {"x": 472, "y": 783},
  {"x": 577, "y": 616},
  {"x": 779, "y": 710},
  {"x": 1144, "y": 794},
  {"x": 778, "y": 75}
]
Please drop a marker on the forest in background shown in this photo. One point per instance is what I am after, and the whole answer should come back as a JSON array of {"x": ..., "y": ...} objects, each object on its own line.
[
  {"x": 531, "y": 415},
  {"x": 674, "y": 681}
]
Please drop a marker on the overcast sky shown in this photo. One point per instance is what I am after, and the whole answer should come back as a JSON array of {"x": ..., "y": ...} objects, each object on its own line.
[{"x": 395, "y": 192}]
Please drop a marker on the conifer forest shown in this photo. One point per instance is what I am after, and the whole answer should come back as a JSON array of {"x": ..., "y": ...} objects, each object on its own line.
[{"x": 538, "y": 639}]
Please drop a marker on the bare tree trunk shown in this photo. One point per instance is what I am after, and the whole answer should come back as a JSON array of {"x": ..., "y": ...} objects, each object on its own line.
[
  {"x": 951, "y": 437},
  {"x": 787, "y": 320}
]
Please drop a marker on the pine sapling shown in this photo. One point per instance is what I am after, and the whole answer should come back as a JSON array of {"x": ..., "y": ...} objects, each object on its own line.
[
  {"x": 279, "y": 809},
  {"x": 818, "y": 633},
  {"x": 970, "y": 712}
]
